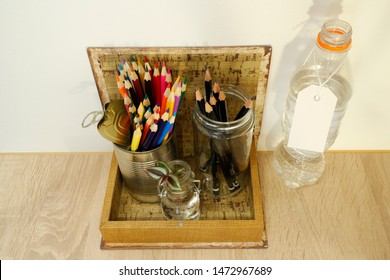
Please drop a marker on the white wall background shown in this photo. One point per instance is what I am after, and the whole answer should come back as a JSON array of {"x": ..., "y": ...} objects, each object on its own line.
[{"x": 47, "y": 87}]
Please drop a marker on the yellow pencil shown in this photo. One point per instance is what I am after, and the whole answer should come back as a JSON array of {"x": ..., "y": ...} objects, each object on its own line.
[
  {"x": 141, "y": 110},
  {"x": 136, "y": 139},
  {"x": 171, "y": 103},
  {"x": 174, "y": 86}
]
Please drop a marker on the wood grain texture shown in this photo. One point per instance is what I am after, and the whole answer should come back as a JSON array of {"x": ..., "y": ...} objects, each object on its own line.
[{"x": 50, "y": 207}]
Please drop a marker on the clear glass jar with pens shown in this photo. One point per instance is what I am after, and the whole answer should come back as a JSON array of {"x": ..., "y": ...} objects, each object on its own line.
[{"x": 223, "y": 129}]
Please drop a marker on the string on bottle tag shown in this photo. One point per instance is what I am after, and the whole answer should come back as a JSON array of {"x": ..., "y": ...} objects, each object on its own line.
[{"x": 317, "y": 97}]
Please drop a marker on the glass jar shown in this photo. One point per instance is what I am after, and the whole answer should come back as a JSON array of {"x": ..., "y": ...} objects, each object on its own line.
[
  {"x": 183, "y": 204},
  {"x": 222, "y": 149}
]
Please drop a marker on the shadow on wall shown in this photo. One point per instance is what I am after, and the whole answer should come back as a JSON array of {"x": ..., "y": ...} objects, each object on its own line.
[{"x": 296, "y": 51}]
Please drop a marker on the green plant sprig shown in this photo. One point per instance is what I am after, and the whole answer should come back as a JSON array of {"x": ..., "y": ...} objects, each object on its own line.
[{"x": 166, "y": 176}]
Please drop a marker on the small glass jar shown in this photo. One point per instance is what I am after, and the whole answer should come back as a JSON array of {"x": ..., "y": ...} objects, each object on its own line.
[
  {"x": 222, "y": 149},
  {"x": 181, "y": 204}
]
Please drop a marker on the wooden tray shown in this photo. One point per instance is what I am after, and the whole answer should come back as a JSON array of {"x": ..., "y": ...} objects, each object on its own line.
[{"x": 235, "y": 222}]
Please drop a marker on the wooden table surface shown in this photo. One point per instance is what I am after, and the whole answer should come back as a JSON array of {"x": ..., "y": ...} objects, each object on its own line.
[{"x": 50, "y": 207}]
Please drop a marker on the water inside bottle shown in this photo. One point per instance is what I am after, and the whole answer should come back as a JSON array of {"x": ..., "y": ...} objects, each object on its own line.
[{"x": 301, "y": 167}]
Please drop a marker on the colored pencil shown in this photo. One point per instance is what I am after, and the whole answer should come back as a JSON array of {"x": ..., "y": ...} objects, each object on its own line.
[
  {"x": 156, "y": 113},
  {"x": 141, "y": 110},
  {"x": 178, "y": 96},
  {"x": 156, "y": 85},
  {"x": 148, "y": 124},
  {"x": 134, "y": 65},
  {"x": 133, "y": 112},
  {"x": 137, "y": 119},
  {"x": 168, "y": 80},
  {"x": 146, "y": 102},
  {"x": 136, "y": 84},
  {"x": 163, "y": 77},
  {"x": 150, "y": 137},
  {"x": 131, "y": 92},
  {"x": 174, "y": 86},
  {"x": 141, "y": 87},
  {"x": 128, "y": 103},
  {"x": 148, "y": 87},
  {"x": 183, "y": 90},
  {"x": 148, "y": 68},
  {"x": 148, "y": 113},
  {"x": 164, "y": 99},
  {"x": 170, "y": 103},
  {"x": 161, "y": 124},
  {"x": 136, "y": 139},
  {"x": 140, "y": 125},
  {"x": 126, "y": 67},
  {"x": 141, "y": 74},
  {"x": 165, "y": 131}
]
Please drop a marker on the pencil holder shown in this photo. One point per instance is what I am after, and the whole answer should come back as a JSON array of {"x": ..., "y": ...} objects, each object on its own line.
[
  {"x": 132, "y": 166},
  {"x": 222, "y": 149}
]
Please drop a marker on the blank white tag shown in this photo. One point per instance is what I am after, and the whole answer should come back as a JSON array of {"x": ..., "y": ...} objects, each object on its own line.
[{"x": 312, "y": 118}]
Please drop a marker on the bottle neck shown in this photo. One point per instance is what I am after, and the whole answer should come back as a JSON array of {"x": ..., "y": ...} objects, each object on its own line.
[
  {"x": 331, "y": 50},
  {"x": 335, "y": 36}
]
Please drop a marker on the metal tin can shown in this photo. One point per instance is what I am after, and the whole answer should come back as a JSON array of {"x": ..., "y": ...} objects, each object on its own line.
[{"x": 133, "y": 164}]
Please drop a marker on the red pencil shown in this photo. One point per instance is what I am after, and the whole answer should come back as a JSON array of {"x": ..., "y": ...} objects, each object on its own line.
[
  {"x": 156, "y": 85},
  {"x": 136, "y": 83},
  {"x": 148, "y": 124}
]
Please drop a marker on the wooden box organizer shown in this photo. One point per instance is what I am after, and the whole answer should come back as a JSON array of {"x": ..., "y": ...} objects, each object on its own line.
[{"x": 236, "y": 222}]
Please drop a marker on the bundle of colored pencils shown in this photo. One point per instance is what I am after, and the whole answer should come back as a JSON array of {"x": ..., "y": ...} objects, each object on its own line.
[
  {"x": 151, "y": 100},
  {"x": 214, "y": 106}
]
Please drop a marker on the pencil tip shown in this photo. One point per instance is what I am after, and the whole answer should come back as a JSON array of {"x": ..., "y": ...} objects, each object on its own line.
[
  {"x": 198, "y": 95},
  {"x": 207, "y": 75},
  {"x": 222, "y": 96},
  {"x": 248, "y": 104},
  {"x": 216, "y": 87},
  {"x": 208, "y": 107}
]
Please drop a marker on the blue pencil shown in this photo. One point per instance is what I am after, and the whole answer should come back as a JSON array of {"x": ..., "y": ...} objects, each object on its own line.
[
  {"x": 150, "y": 138},
  {"x": 167, "y": 127},
  {"x": 161, "y": 124}
]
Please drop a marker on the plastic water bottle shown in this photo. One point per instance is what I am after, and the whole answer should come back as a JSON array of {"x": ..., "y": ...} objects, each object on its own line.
[{"x": 323, "y": 78}]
